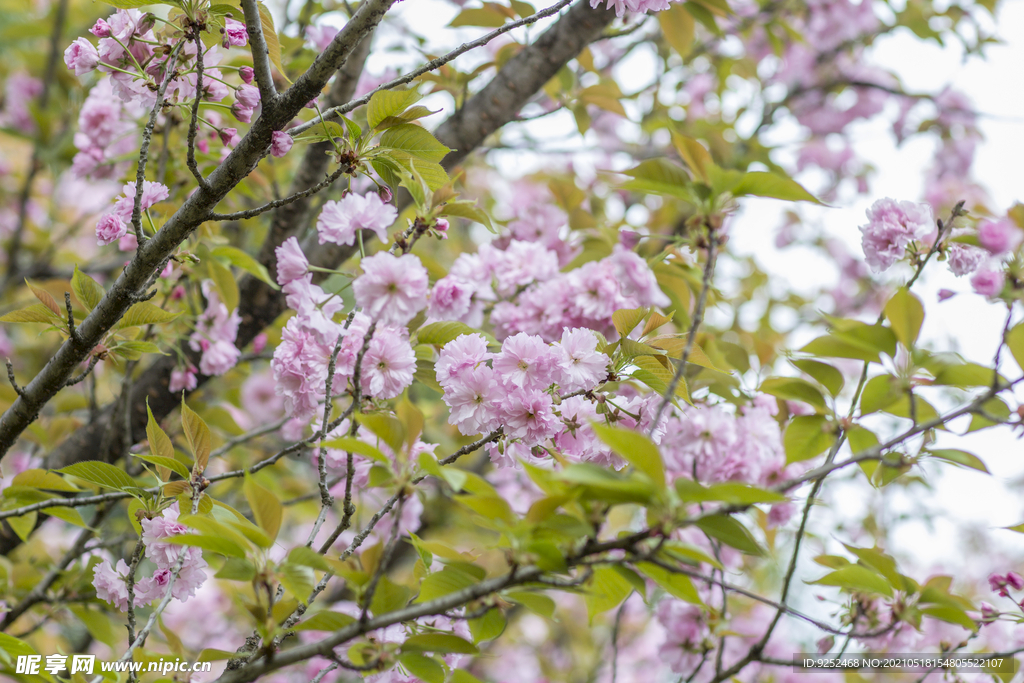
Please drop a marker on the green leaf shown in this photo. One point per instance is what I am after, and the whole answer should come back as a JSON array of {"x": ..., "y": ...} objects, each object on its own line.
[
  {"x": 441, "y": 583},
  {"x": 879, "y": 393},
  {"x": 266, "y": 508},
  {"x": 469, "y": 211},
  {"x": 676, "y": 583},
  {"x": 636, "y": 449},
  {"x": 440, "y": 643},
  {"x": 224, "y": 282},
  {"x": 236, "y": 569},
  {"x": 415, "y": 140},
  {"x": 441, "y": 333},
  {"x": 218, "y": 544},
  {"x": 487, "y": 17},
  {"x": 959, "y": 457},
  {"x": 389, "y": 596},
  {"x": 735, "y": 493},
  {"x": 906, "y": 314},
  {"x": 952, "y": 615},
  {"x": 130, "y": 4},
  {"x": 606, "y": 590},
  {"x": 101, "y": 474},
  {"x": 794, "y": 389},
  {"x": 297, "y": 579},
  {"x": 1015, "y": 342},
  {"x": 353, "y": 445},
  {"x": 806, "y": 437},
  {"x": 41, "y": 479},
  {"x": 242, "y": 260},
  {"x": 159, "y": 442},
  {"x": 677, "y": 26},
  {"x": 463, "y": 676},
  {"x": 133, "y": 350},
  {"x": 488, "y": 627},
  {"x": 88, "y": 291},
  {"x": 879, "y": 561},
  {"x": 598, "y": 483},
  {"x": 660, "y": 176},
  {"x": 388, "y": 103},
  {"x": 764, "y": 184},
  {"x": 170, "y": 463},
  {"x": 731, "y": 532},
  {"x": 308, "y": 558},
  {"x": 197, "y": 434},
  {"x": 423, "y": 668},
  {"x": 538, "y": 603},
  {"x": 828, "y": 376},
  {"x": 324, "y": 621},
  {"x": 695, "y": 155},
  {"x": 36, "y": 313},
  {"x": 855, "y": 578},
  {"x": 626, "y": 319},
  {"x": 145, "y": 313},
  {"x": 270, "y": 36},
  {"x": 388, "y": 429}
]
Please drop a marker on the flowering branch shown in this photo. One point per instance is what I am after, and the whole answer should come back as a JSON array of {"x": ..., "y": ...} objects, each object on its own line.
[{"x": 277, "y": 203}]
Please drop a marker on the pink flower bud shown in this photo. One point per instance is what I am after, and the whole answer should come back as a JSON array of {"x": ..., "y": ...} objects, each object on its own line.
[
  {"x": 246, "y": 73},
  {"x": 441, "y": 225},
  {"x": 101, "y": 29},
  {"x": 385, "y": 193},
  {"x": 281, "y": 143},
  {"x": 229, "y": 136},
  {"x": 259, "y": 343},
  {"x": 946, "y": 294}
]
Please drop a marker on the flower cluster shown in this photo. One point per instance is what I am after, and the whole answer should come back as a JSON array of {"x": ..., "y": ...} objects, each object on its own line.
[
  {"x": 517, "y": 389},
  {"x": 215, "y": 334},
  {"x": 112, "y": 226},
  {"x": 391, "y": 291},
  {"x": 110, "y": 581},
  {"x": 529, "y": 294}
]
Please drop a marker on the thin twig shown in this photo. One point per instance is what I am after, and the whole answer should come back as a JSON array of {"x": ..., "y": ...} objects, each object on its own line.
[
  {"x": 147, "y": 136},
  {"x": 277, "y": 203},
  {"x": 193, "y": 125}
]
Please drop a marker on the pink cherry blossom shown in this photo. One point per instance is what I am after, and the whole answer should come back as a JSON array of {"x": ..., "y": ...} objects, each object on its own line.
[
  {"x": 246, "y": 73},
  {"x": 528, "y": 415},
  {"x": 988, "y": 282},
  {"x": 182, "y": 380},
  {"x": 388, "y": 365},
  {"x": 525, "y": 361},
  {"x": 964, "y": 259},
  {"x": 999, "y": 236},
  {"x": 339, "y": 220},
  {"x": 81, "y": 57},
  {"x": 474, "y": 399},
  {"x": 110, "y": 583},
  {"x": 580, "y": 365},
  {"x": 109, "y": 229},
  {"x": 391, "y": 290},
  {"x": 459, "y": 356},
  {"x": 235, "y": 34},
  {"x": 291, "y": 261},
  {"x": 450, "y": 299},
  {"x": 891, "y": 227}
]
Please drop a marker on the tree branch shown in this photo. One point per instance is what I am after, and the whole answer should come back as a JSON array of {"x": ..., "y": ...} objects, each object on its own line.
[{"x": 260, "y": 55}]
